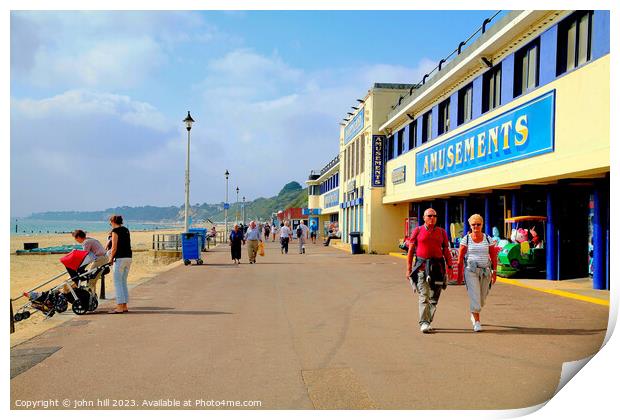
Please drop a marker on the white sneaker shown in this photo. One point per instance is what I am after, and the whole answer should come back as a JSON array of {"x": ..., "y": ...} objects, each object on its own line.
[
  {"x": 425, "y": 327},
  {"x": 473, "y": 320},
  {"x": 477, "y": 326}
]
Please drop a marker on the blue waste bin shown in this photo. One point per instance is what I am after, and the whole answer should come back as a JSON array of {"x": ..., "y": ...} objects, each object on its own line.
[
  {"x": 356, "y": 242},
  {"x": 190, "y": 248},
  {"x": 202, "y": 237}
]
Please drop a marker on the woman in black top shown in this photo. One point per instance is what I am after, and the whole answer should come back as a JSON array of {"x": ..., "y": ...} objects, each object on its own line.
[
  {"x": 236, "y": 238},
  {"x": 120, "y": 255}
]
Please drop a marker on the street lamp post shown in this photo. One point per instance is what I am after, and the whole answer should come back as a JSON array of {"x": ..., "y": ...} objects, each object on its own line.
[
  {"x": 226, "y": 204},
  {"x": 237, "y": 208},
  {"x": 188, "y": 124},
  {"x": 243, "y": 209}
]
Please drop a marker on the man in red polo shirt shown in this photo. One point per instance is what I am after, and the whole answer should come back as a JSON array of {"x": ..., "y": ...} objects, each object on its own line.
[{"x": 429, "y": 243}]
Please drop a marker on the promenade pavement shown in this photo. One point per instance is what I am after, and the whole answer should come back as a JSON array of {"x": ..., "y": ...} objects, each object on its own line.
[{"x": 322, "y": 330}]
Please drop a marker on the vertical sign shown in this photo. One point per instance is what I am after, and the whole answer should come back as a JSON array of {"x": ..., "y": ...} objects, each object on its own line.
[{"x": 378, "y": 176}]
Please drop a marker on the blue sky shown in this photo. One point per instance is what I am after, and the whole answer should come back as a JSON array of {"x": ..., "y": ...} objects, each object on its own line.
[{"x": 97, "y": 98}]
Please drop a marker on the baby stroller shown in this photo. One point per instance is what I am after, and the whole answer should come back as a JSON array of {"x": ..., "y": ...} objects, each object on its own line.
[{"x": 74, "y": 290}]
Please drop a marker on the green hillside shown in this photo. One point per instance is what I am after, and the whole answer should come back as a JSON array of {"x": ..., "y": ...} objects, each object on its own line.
[{"x": 291, "y": 195}]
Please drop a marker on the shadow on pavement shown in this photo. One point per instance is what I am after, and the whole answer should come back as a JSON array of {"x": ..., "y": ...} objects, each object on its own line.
[
  {"x": 162, "y": 310},
  {"x": 511, "y": 329}
]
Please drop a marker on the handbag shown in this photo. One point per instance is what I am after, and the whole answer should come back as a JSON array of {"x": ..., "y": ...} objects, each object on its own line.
[{"x": 261, "y": 249}]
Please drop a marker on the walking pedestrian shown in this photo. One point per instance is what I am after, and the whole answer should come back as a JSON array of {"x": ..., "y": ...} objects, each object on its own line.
[
  {"x": 314, "y": 228},
  {"x": 302, "y": 235},
  {"x": 429, "y": 244},
  {"x": 235, "y": 240},
  {"x": 120, "y": 255},
  {"x": 253, "y": 237},
  {"x": 285, "y": 237},
  {"x": 266, "y": 231},
  {"x": 275, "y": 230},
  {"x": 477, "y": 264}
]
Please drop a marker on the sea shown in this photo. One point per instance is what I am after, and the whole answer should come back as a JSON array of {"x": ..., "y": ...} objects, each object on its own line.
[{"x": 34, "y": 226}]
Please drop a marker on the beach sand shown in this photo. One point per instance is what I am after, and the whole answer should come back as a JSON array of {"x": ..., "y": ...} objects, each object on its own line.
[{"x": 28, "y": 271}]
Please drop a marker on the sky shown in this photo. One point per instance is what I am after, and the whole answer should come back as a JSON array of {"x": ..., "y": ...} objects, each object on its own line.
[{"x": 98, "y": 97}]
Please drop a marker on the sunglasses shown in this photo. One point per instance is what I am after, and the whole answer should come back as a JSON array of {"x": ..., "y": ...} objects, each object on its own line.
[
  {"x": 475, "y": 224},
  {"x": 431, "y": 215}
]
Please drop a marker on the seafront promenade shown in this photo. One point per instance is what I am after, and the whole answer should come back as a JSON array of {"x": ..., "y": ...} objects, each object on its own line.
[{"x": 323, "y": 330}]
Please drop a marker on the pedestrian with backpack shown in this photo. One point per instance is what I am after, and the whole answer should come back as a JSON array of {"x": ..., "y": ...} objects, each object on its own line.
[
  {"x": 302, "y": 234},
  {"x": 429, "y": 244},
  {"x": 477, "y": 264}
]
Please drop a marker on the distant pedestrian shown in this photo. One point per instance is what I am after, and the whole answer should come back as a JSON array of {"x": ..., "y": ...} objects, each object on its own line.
[
  {"x": 429, "y": 244},
  {"x": 285, "y": 237},
  {"x": 314, "y": 228},
  {"x": 95, "y": 248},
  {"x": 302, "y": 235},
  {"x": 235, "y": 240},
  {"x": 477, "y": 264},
  {"x": 253, "y": 238},
  {"x": 120, "y": 255},
  {"x": 266, "y": 231},
  {"x": 274, "y": 232}
]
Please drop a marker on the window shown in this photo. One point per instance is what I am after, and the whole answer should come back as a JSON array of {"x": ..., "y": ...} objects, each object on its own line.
[
  {"x": 574, "y": 41},
  {"x": 362, "y": 144},
  {"x": 413, "y": 134},
  {"x": 427, "y": 127},
  {"x": 390, "y": 148},
  {"x": 401, "y": 134},
  {"x": 444, "y": 117},
  {"x": 465, "y": 103},
  {"x": 491, "y": 88},
  {"x": 526, "y": 68}
]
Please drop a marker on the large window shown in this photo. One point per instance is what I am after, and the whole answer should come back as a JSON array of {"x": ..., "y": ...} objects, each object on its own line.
[
  {"x": 427, "y": 126},
  {"x": 574, "y": 41},
  {"x": 362, "y": 158},
  {"x": 444, "y": 117},
  {"x": 390, "y": 147},
  {"x": 526, "y": 68},
  {"x": 465, "y": 103},
  {"x": 491, "y": 88},
  {"x": 413, "y": 134}
]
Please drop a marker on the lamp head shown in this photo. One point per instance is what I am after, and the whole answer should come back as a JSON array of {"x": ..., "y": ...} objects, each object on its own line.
[{"x": 188, "y": 121}]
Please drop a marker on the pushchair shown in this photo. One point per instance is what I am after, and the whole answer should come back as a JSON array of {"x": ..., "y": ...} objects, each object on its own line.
[{"x": 74, "y": 290}]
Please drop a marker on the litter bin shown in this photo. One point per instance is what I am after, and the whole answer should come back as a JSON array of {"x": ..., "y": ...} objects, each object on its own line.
[
  {"x": 202, "y": 237},
  {"x": 356, "y": 242},
  {"x": 190, "y": 248}
]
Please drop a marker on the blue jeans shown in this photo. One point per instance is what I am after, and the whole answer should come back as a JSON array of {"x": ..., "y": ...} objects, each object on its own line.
[{"x": 121, "y": 271}]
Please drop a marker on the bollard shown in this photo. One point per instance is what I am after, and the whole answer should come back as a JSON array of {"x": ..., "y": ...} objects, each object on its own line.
[
  {"x": 12, "y": 320},
  {"x": 102, "y": 292}
]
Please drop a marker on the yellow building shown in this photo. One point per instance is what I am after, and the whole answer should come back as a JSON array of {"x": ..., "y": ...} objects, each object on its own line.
[{"x": 514, "y": 124}]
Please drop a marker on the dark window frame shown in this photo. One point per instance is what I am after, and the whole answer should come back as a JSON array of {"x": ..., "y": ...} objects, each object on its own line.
[
  {"x": 562, "y": 63},
  {"x": 443, "y": 117},
  {"x": 520, "y": 86},
  {"x": 466, "y": 94},
  {"x": 492, "y": 101},
  {"x": 427, "y": 126},
  {"x": 413, "y": 134}
]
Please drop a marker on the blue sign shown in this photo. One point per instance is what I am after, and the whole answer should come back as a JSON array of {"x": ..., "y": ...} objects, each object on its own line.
[
  {"x": 354, "y": 126},
  {"x": 331, "y": 199},
  {"x": 378, "y": 176},
  {"x": 520, "y": 133},
  {"x": 226, "y": 206},
  {"x": 307, "y": 212}
]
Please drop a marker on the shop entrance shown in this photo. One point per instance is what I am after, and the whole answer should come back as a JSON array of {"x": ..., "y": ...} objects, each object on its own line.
[{"x": 572, "y": 223}]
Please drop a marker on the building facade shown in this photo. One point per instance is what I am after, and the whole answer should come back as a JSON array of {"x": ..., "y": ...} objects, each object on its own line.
[
  {"x": 324, "y": 197},
  {"x": 516, "y": 125}
]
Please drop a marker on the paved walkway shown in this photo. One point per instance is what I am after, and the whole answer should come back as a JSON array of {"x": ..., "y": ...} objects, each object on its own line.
[{"x": 320, "y": 330}]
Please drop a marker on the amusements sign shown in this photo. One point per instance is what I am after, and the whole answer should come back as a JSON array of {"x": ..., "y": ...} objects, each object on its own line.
[
  {"x": 520, "y": 133},
  {"x": 378, "y": 176},
  {"x": 354, "y": 126}
]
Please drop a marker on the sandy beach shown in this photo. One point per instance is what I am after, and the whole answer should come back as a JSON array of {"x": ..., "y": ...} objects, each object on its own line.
[{"x": 29, "y": 270}]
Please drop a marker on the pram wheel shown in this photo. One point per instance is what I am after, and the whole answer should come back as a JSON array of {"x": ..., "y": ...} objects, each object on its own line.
[
  {"x": 61, "y": 304},
  {"x": 18, "y": 317},
  {"x": 94, "y": 303},
  {"x": 199, "y": 262},
  {"x": 26, "y": 314},
  {"x": 78, "y": 308},
  {"x": 186, "y": 262}
]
